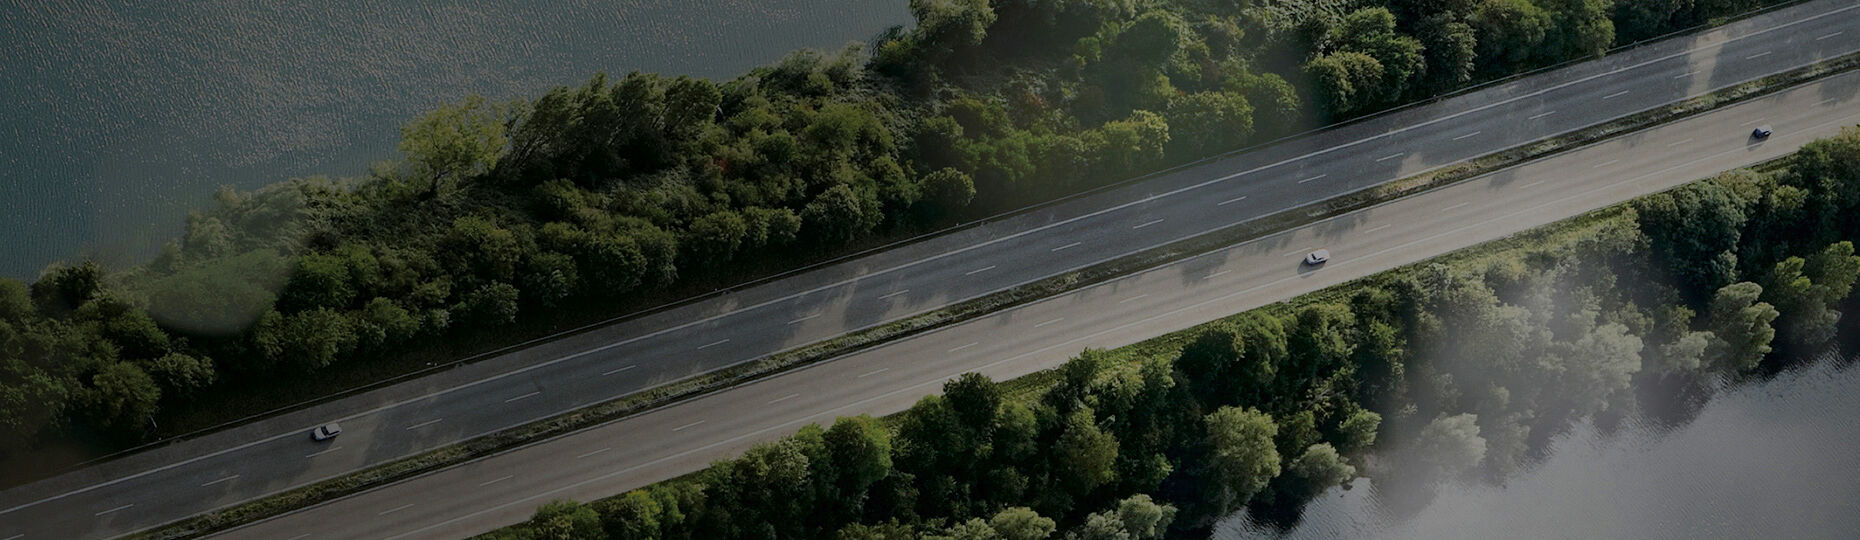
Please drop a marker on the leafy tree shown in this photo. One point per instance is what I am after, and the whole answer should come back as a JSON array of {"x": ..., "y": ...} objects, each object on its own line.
[
  {"x": 1582, "y": 28},
  {"x": 1243, "y": 456},
  {"x": 1021, "y": 523},
  {"x": 304, "y": 341},
  {"x": 1740, "y": 325},
  {"x": 690, "y": 104},
  {"x": 1805, "y": 306},
  {"x": 1345, "y": 81},
  {"x": 567, "y": 520},
  {"x": 1085, "y": 455},
  {"x": 633, "y": 516},
  {"x": 948, "y": 188},
  {"x": 1452, "y": 49},
  {"x": 1508, "y": 32},
  {"x": 1694, "y": 231},
  {"x": 454, "y": 141},
  {"x": 945, "y": 26},
  {"x": 1358, "y": 430},
  {"x": 15, "y": 301},
  {"x": 1450, "y": 444},
  {"x": 715, "y": 239},
  {"x": 477, "y": 247},
  {"x": 123, "y": 396},
  {"x": 1371, "y": 31},
  {"x": 127, "y": 326},
  {"x": 1208, "y": 122},
  {"x": 859, "y": 454},
  {"x": 1835, "y": 269},
  {"x": 317, "y": 281},
  {"x": 548, "y": 278},
  {"x": 1318, "y": 469},
  {"x": 1132, "y": 144},
  {"x": 491, "y": 305},
  {"x": 1234, "y": 363},
  {"x": 179, "y": 374},
  {"x": 62, "y": 289},
  {"x": 837, "y": 216}
]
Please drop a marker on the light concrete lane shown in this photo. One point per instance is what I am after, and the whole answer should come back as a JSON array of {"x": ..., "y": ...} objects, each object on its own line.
[
  {"x": 548, "y": 378},
  {"x": 1022, "y": 340}
]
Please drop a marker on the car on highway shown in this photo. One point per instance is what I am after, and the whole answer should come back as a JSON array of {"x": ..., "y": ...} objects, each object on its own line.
[
  {"x": 1317, "y": 257},
  {"x": 1762, "y": 132},
  {"x": 326, "y": 432}
]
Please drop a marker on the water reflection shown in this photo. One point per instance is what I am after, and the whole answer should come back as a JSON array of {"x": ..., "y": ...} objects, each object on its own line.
[{"x": 1769, "y": 459}]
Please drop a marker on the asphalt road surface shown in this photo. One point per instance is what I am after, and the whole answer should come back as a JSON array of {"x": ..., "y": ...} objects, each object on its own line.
[{"x": 275, "y": 454}]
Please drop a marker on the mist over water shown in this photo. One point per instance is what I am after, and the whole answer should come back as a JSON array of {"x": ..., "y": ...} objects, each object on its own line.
[
  {"x": 1767, "y": 459},
  {"x": 122, "y": 116}
]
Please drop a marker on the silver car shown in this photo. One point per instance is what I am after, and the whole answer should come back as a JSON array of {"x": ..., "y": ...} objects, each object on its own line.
[
  {"x": 326, "y": 431},
  {"x": 1317, "y": 257}
]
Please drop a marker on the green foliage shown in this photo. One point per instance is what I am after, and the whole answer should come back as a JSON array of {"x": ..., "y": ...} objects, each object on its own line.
[
  {"x": 1021, "y": 523},
  {"x": 566, "y": 520},
  {"x": 1317, "y": 469},
  {"x": 123, "y": 396},
  {"x": 1740, "y": 324},
  {"x": 1451, "y": 444},
  {"x": 454, "y": 141},
  {"x": 1509, "y": 33},
  {"x": 1243, "y": 457},
  {"x": 181, "y": 375}
]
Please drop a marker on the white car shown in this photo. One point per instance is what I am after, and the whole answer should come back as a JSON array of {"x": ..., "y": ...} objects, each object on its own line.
[
  {"x": 1317, "y": 257},
  {"x": 326, "y": 431}
]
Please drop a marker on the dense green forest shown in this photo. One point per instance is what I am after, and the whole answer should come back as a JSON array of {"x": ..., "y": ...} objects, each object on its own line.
[
  {"x": 610, "y": 196},
  {"x": 1460, "y": 368}
]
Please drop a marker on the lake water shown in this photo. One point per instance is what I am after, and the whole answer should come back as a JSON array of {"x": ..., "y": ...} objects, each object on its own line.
[
  {"x": 1774, "y": 459},
  {"x": 121, "y": 116}
]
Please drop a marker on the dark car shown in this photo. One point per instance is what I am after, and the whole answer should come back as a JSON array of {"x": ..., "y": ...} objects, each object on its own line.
[{"x": 1762, "y": 132}]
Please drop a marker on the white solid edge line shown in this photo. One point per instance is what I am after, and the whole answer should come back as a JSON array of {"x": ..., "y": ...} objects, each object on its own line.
[
  {"x": 226, "y": 479},
  {"x": 282, "y": 435},
  {"x": 123, "y": 507},
  {"x": 395, "y": 509}
]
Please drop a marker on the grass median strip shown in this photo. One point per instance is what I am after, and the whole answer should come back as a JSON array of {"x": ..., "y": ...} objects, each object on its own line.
[{"x": 640, "y": 402}]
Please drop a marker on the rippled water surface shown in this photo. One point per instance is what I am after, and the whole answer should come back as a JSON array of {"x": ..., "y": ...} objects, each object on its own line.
[
  {"x": 120, "y": 116},
  {"x": 1777, "y": 459}
]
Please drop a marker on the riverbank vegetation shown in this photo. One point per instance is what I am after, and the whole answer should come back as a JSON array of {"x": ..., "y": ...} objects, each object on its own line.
[
  {"x": 1463, "y": 366},
  {"x": 508, "y": 220}
]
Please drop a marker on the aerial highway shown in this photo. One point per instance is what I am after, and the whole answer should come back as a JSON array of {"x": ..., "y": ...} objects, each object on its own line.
[
  {"x": 274, "y": 454},
  {"x": 665, "y": 443}
]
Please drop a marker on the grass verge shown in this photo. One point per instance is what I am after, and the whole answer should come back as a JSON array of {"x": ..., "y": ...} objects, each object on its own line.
[{"x": 640, "y": 402}]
